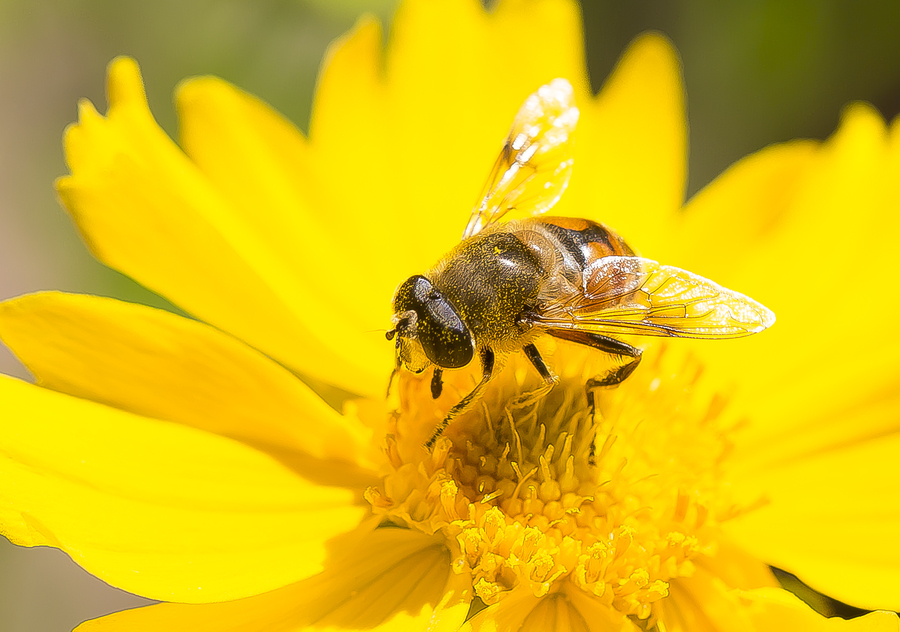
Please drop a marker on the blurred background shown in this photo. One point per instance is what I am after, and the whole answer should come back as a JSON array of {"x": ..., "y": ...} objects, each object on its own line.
[{"x": 756, "y": 72}]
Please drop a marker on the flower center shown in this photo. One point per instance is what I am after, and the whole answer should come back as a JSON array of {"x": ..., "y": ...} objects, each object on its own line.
[{"x": 616, "y": 501}]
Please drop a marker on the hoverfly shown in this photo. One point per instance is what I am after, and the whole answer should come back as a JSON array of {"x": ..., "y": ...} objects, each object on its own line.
[{"x": 508, "y": 283}]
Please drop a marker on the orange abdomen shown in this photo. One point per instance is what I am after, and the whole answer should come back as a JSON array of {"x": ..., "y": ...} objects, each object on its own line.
[{"x": 584, "y": 239}]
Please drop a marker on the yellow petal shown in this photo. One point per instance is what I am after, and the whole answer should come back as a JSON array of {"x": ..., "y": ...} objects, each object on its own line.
[
  {"x": 772, "y": 610},
  {"x": 156, "y": 364},
  {"x": 260, "y": 163},
  {"x": 832, "y": 519},
  {"x": 393, "y": 579},
  {"x": 631, "y": 153},
  {"x": 451, "y": 113},
  {"x": 401, "y": 154},
  {"x": 822, "y": 385},
  {"x": 703, "y": 603},
  {"x": 734, "y": 217},
  {"x": 818, "y": 261},
  {"x": 737, "y": 568},
  {"x": 156, "y": 508},
  {"x": 146, "y": 210},
  {"x": 567, "y": 610}
]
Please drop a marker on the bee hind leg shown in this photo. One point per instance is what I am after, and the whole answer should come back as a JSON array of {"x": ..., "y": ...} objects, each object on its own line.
[
  {"x": 550, "y": 380},
  {"x": 487, "y": 371},
  {"x": 613, "y": 378},
  {"x": 608, "y": 345}
]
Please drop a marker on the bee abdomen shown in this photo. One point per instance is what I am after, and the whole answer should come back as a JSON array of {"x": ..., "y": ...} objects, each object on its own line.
[{"x": 583, "y": 239}]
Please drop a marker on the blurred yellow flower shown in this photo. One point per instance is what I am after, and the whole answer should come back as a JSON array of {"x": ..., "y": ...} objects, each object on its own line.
[{"x": 184, "y": 460}]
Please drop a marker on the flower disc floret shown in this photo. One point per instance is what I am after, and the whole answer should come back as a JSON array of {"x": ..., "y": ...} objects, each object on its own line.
[{"x": 616, "y": 502}]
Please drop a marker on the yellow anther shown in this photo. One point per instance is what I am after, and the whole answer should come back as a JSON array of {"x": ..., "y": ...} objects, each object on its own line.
[{"x": 517, "y": 492}]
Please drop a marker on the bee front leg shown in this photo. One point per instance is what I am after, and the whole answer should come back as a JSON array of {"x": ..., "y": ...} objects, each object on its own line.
[
  {"x": 437, "y": 383},
  {"x": 394, "y": 372},
  {"x": 487, "y": 370}
]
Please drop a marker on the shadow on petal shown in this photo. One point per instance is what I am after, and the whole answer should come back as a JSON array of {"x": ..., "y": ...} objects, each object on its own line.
[{"x": 386, "y": 579}]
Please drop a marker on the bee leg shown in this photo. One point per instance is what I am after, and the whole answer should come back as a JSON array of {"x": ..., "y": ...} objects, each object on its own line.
[
  {"x": 437, "y": 383},
  {"x": 394, "y": 372},
  {"x": 487, "y": 370},
  {"x": 550, "y": 380},
  {"x": 614, "y": 377},
  {"x": 617, "y": 375},
  {"x": 607, "y": 345},
  {"x": 532, "y": 353}
]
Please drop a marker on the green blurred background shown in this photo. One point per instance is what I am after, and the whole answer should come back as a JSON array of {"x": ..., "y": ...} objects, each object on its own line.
[{"x": 756, "y": 72}]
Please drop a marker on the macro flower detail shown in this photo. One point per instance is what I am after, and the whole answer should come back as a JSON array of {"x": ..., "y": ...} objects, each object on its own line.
[
  {"x": 535, "y": 515},
  {"x": 195, "y": 460}
]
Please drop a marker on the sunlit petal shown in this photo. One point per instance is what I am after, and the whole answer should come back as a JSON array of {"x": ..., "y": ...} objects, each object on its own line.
[
  {"x": 563, "y": 611},
  {"x": 823, "y": 263},
  {"x": 184, "y": 239},
  {"x": 824, "y": 270},
  {"x": 631, "y": 153},
  {"x": 262, "y": 166},
  {"x": 156, "y": 508},
  {"x": 831, "y": 518},
  {"x": 391, "y": 580},
  {"x": 656, "y": 506},
  {"x": 160, "y": 365},
  {"x": 403, "y": 142},
  {"x": 776, "y": 610}
]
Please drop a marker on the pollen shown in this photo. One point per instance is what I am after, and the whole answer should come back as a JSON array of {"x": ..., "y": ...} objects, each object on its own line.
[{"x": 615, "y": 500}]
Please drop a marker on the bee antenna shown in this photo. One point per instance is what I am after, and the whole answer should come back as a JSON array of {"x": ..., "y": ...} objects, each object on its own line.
[{"x": 404, "y": 324}]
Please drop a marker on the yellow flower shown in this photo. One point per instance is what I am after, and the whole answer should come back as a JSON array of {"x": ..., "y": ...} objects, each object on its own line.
[{"x": 184, "y": 460}]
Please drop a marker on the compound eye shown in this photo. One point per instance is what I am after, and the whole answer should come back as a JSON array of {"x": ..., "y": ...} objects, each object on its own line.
[{"x": 444, "y": 337}]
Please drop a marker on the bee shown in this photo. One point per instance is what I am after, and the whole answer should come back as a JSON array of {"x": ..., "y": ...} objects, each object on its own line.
[{"x": 506, "y": 284}]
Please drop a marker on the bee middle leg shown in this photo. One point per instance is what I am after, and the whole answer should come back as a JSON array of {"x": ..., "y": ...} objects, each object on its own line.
[
  {"x": 487, "y": 370},
  {"x": 550, "y": 380}
]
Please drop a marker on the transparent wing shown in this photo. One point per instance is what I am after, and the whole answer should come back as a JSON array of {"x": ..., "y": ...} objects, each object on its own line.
[
  {"x": 535, "y": 164},
  {"x": 631, "y": 295}
]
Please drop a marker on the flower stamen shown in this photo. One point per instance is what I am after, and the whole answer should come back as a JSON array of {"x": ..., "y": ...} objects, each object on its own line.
[{"x": 528, "y": 509}]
